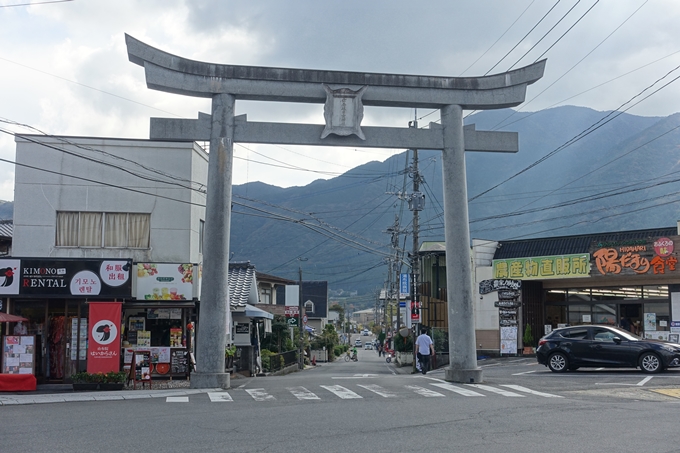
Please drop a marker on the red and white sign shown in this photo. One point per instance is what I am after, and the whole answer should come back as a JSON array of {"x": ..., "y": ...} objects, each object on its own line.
[
  {"x": 104, "y": 337},
  {"x": 304, "y": 319},
  {"x": 292, "y": 311},
  {"x": 415, "y": 312}
]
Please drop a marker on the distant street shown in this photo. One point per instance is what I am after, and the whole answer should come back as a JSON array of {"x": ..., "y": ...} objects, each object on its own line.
[{"x": 370, "y": 406}]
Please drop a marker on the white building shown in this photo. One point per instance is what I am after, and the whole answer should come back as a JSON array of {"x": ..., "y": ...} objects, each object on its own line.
[
  {"x": 81, "y": 202},
  {"x": 80, "y": 197}
]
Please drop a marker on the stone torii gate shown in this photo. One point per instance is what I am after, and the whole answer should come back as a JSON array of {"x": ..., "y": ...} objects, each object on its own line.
[{"x": 344, "y": 94}]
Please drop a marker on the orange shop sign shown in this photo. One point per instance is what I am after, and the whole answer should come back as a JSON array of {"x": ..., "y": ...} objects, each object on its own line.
[{"x": 653, "y": 256}]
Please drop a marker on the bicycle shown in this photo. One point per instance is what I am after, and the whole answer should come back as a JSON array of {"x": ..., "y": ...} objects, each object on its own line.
[{"x": 349, "y": 357}]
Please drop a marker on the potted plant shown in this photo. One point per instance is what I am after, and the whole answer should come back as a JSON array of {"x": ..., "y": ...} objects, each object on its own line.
[
  {"x": 113, "y": 380},
  {"x": 528, "y": 340},
  {"x": 84, "y": 381}
]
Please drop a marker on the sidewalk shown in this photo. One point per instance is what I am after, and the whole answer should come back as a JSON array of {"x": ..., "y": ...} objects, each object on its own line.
[{"x": 41, "y": 398}]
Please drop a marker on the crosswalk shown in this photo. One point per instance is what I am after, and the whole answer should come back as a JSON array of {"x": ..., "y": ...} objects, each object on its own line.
[{"x": 362, "y": 391}]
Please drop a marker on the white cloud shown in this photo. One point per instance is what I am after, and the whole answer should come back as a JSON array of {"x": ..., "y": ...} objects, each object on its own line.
[{"x": 64, "y": 66}]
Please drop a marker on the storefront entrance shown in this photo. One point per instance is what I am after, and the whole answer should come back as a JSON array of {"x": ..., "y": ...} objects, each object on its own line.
[
  {"x": 648, "y": 312},
  {"x": 60, "y": 329}
]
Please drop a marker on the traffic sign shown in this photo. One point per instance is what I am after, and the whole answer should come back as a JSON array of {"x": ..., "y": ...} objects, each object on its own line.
[
  {"x": 291, "y": 310},
  {"x": 292, "y": 322},
  {"x": 304, "y": 319}
]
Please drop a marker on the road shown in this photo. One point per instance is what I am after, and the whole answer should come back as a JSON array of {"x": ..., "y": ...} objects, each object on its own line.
[{"x": 369, "y": 406}]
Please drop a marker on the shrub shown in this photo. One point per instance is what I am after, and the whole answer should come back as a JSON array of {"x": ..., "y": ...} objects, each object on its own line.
[
  {"x": 266, "y": 354},
  {"x": 115, "y": 377}
]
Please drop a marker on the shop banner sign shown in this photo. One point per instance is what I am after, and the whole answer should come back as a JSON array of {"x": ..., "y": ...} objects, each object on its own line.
[
  {"x": 9, "y": 276},
  {"x": 103, "y": 353},
  {"x": 543, "y": 267},
  {"x": 66, "y": 277},
  {"x": 489, "y": 286},
  {"x": 156, "y": 281},
  {"x": 652, "y": 256}
]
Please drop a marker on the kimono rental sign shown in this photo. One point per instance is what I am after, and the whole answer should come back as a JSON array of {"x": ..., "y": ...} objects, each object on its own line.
[{"x": 59, "y": 278}]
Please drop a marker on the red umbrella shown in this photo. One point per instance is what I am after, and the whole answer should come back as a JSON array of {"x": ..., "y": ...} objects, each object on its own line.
[{"x": 4, "y": 317}]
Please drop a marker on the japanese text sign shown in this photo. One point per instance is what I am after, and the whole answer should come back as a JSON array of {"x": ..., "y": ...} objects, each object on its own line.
[
  {"x": 104, "y": 337},
  {"x": 543, "y": 267}
]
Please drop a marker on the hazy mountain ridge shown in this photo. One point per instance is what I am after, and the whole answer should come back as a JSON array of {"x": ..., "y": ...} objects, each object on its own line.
[{"x": 634, "y": 157}]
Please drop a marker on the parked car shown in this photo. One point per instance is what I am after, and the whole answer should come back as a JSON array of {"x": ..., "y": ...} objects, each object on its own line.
[
  {"x": 569, "y": 348},
  {"x": 357, "y": 342},
  {"x": 368, "y": 345}
]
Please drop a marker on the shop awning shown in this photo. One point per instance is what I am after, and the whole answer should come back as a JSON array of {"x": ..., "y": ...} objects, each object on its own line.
[
  {"x": 4, "y": 317},
  {"x": 254, "y": 312}
]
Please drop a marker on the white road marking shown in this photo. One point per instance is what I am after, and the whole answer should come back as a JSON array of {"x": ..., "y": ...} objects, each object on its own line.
[
  {"x": 459, "y": 390},
  {"x": 342, "y": 392},
  {"x": 219, "y": 397},
  {"x": 177, "y": 399},
  {"x": 639, "y": 384},
  {"x": 524, "y": 372},
  {"x": 519, "y": 388},
  {"x": 645, "y": 380},
  {"x": 260, "y": 395},
  {"x": 422, "y": 391},
  {"x": 302, "y": 393},
  {"x": 488, "y": 388},
  {"x": 378, "y": 390}
]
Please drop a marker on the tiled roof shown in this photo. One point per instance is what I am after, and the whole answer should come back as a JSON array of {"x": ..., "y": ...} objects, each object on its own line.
[
  {"x": 566, "y": 245},
  {"x": 262, "y": 277},
  {"x": 242, "y": 284},
  {"x": 6, "y": 228}
]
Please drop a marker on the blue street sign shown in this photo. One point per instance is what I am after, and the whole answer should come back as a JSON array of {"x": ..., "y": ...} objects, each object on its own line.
[{"x": 404, "y": 285}]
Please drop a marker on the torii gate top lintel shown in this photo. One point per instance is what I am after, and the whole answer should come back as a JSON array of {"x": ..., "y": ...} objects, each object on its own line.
[{"x": 171, "y": 73}]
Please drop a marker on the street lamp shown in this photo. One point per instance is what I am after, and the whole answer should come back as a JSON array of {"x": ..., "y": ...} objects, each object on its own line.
[{"x": 301, "y": 360}]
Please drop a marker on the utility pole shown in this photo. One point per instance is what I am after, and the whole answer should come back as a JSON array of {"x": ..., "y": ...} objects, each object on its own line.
[
  {"x": 301, "y": 360},
  {"x": 416, "y": 204}
]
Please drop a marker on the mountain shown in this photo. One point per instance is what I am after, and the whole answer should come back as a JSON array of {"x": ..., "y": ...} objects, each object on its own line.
[{"x": 619, "y": 176}]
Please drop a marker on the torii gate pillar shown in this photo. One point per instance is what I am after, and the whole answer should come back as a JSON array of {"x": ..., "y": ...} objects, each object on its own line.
[{"x": 462, "y": 350}]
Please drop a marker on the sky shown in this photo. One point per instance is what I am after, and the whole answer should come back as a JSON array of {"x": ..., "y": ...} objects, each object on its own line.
[{"x": 64, "y": 68}]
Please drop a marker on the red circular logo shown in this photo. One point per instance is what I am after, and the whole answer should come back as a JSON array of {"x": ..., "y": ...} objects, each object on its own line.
[{"x": 663, "y": 246}]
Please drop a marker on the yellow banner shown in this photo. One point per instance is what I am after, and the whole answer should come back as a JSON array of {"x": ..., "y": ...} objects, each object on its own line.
[{"x": 543, "y": 267}]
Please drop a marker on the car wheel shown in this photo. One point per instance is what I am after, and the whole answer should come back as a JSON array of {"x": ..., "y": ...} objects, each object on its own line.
[
  {"x": 558, "y": 362},
  {"x": 650, "y": 363}
]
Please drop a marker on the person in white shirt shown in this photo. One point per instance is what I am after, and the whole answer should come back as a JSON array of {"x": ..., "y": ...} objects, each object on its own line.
[{"x": 425, "y": 350}]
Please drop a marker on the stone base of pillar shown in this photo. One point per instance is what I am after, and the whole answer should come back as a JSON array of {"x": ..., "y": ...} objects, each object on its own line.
[
  {"x": 473, "y": 376},
  {"x": 210, "y": 380}
]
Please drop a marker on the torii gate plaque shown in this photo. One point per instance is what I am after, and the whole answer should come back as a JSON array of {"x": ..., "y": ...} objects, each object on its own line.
[{"x": 344, "y": 94}]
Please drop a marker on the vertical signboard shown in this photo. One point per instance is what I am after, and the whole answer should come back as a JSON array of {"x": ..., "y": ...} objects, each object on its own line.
[
  {"x": 404, "y": 285},
  {"x": 508, "y": 292},
  {"x": 104, "y": 337}
]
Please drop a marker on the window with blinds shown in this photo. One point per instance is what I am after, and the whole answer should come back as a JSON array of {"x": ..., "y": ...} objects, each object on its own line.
[{"x": 103, "y": 229}]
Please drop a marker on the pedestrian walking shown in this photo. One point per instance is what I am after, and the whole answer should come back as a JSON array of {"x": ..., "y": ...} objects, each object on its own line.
[{"x": 425, "y": 349}]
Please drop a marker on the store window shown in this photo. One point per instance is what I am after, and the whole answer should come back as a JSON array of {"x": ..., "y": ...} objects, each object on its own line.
[
  {"x": 656, "y": 317},
  {"x": 579, "y": 314},
  {"x": 655, "y": 292},
  {"x": 103, "y": 229},
  {"x": 604, "y": 314},
  {"x": 578, "y": 295}
]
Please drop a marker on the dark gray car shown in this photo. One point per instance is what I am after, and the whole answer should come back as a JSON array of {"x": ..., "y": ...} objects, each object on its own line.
[{"x": 570, "y": 348}]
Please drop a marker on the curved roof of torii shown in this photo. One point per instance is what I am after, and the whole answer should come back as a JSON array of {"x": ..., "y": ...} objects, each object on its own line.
[{"x": 167, "y": 72}]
